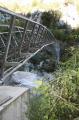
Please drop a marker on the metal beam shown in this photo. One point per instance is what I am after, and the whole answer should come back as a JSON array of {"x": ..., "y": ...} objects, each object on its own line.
[
  {"x": 9, "y": 41},
  {"x": 22, "y": 17},
  {"x": 23, "y": 36},
  {"x": 9, "y": 64}
]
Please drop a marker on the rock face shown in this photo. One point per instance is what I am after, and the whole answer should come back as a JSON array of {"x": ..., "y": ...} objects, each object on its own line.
[{"x": 48, "y": 65}]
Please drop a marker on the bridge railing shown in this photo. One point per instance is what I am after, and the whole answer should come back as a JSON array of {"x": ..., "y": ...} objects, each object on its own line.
[{"x": 20, "y": 37}]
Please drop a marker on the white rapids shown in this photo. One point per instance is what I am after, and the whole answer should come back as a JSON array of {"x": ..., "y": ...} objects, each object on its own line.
[{"x": 26, "y": 79}]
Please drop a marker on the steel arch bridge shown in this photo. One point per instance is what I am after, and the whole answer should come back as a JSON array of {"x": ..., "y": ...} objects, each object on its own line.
[{"x": 20, "y": 39}]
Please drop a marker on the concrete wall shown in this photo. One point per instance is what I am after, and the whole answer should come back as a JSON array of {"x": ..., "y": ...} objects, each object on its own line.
[{"x": 15, "y": 108}]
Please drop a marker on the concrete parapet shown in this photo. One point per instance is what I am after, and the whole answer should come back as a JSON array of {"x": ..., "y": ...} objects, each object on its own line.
[{"x": 13, "y": 103}]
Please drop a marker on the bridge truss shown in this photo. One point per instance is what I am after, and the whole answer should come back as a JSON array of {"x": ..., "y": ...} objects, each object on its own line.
[{"x": 20, "y": 39}]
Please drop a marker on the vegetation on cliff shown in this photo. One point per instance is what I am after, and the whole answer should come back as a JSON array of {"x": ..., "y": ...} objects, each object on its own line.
[{"x": 59, "y": 99}]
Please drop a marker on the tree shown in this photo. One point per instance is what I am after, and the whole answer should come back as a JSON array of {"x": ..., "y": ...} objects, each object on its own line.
[{"x": 50, "y": 18}]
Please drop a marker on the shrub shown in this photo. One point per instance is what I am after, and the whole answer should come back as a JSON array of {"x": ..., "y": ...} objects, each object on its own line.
[
  {"x": 59, "y": 34},
  {"x": 59, "y": 99}
]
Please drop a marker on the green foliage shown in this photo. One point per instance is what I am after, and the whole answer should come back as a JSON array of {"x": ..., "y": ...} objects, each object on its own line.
[
  {"x": 50, "y": 18},
  {"x": 59, "y": 99},
  {"x": 20, "y": 23},
  {"x": 64, "y": 34},
  {"x": 59, "y": 34},
  {"x": 46, "y": 19},
  {"x": 56, "y": 15}
]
